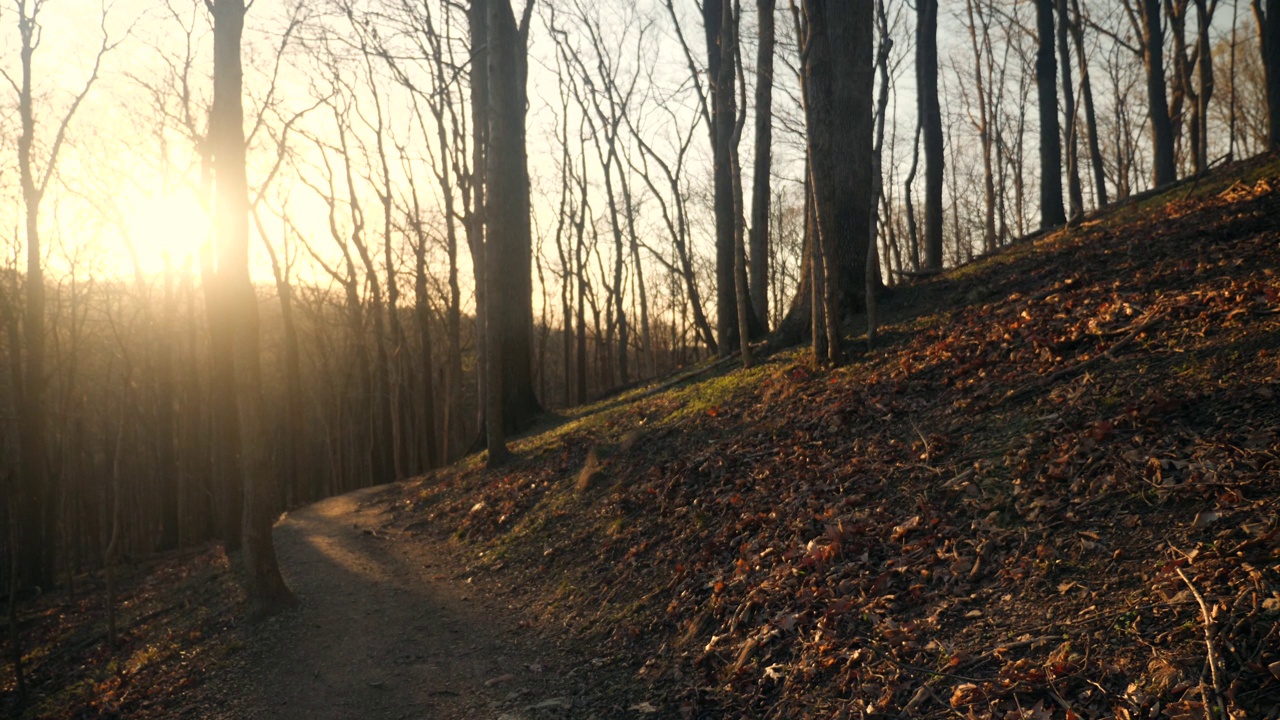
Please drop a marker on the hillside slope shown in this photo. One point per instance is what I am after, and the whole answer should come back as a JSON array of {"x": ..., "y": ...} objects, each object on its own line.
[
  {"x": 1051, "y": 492},
  {"x": 1052, "y": 482}
]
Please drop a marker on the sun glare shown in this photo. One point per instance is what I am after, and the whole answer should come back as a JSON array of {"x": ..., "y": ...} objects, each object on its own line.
[{"x": 171, "y": 226}]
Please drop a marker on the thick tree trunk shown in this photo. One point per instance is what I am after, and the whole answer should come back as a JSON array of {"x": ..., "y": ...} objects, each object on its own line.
[
  {"x": 760, "y": 193},
  {"x": 1164, "y": 169},
  {"x": 724, "y": 112},
  {"x": 1051, "y": 210},
  {"x": 1269, "y": 36},
  {"x": 931, "y": 124},
  {"x": 838, "y": 86},
  {"x": 264, "y": 585},
  {"x": 508, "y": 243}
]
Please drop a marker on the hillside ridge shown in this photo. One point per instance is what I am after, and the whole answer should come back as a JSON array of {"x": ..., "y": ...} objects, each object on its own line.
[
  {"x": 1050, "y": 491},
  {"x": 1051, "y": 478}
]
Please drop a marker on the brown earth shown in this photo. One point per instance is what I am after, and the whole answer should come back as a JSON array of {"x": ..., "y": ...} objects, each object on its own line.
[{"x": 390, "y": 628}]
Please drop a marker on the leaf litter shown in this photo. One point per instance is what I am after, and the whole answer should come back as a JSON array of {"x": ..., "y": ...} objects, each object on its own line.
[{"x": 1006, "y": 511}]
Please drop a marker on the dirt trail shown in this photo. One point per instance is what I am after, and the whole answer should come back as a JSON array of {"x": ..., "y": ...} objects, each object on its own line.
[{"x": 386, "y": 630}]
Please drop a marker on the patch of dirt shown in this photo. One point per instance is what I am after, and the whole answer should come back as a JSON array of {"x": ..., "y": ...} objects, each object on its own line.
[{"x": 390, "y": 628}]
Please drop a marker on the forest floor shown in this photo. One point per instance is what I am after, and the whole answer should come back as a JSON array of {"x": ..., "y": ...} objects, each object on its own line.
[
  {"x": 389, "y": 629},
  {"x": 1050, "y": 492}
]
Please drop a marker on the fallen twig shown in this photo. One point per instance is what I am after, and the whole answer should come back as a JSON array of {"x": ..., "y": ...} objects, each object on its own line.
[{"x": 1210, "y": 630}]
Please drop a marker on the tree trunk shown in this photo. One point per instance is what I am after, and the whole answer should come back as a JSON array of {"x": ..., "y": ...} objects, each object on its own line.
[
  {"x": 985, "y": 110},
  {"x": 1051, "y": 210},
  {"x": 742, "y": 294},
  {"x": 296, "y": 465},
  {"x": 475, "y": 190},
  {"x": 1090, "y": 117},
  {"x": 1164, "y": 169},
  {"x": 760, "y": 193},
  {"x": 931, "y": 124},
  {"x": 264, "y": 585},
  {"x": 1269, "y": 37},
  {"x": 721, "y": 81},
  {"x": 838, "y": 85},
  {"x": 724, "y": 113},
  {"x": 877, "y": 163},
  {"x": 1204, "y": 72},
  {"x": 508, "y": 241},
  {"x": 422, "y": 313},
  {"x": 1075, "y": 194},
  {"x": 913, "y": 231},
  {"x": 166, "y": 452},
  {"x": 35, "y": 493}
]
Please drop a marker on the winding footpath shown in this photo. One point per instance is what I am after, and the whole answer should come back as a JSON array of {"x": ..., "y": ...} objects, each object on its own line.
[{"x": 385, "y": 631}]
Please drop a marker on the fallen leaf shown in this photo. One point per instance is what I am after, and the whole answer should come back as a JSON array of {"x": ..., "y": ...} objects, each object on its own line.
[
  {"x": 1204, "y": 519},
  {"x": 901, "y": 531}
]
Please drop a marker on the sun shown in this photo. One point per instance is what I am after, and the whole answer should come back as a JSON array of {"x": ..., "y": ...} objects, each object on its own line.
[{"x": 167, "y": 227}]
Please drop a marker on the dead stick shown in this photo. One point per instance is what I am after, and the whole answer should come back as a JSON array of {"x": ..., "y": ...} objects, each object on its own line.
[{"x": 1209, "y": 632}]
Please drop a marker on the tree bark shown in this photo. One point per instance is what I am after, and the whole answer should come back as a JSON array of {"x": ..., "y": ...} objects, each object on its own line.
[
  {"x": 265, "y": 587},
  {"x": 1090, "y": 116},
  {"x": 474, "y": 191},
  {"x": 1075, "y": 194},
  {"x": 35, "y": 495},
  {"x": 508, "y": 235},
  {"x": 930, "y": 111},
  {"x": 1051, "y": 210},
  {"x": 985, "y": 110},
  {"x": 1269, "y": 37},
  {"x": 838, "y": 86},
  {"x": 760, "y": 188},
  {"x": 1164, "y": 169},
  {"x": 742, "y": 294},
  {"x": 1204, "y": 73},
  {"x": 724, "y": 112}
]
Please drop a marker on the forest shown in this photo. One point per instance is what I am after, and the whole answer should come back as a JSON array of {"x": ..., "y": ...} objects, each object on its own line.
[{"x": 261, "y": 254}]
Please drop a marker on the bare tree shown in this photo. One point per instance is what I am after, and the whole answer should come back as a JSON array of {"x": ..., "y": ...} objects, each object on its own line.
[
  {"x": 1052, "y": 213},
  {"x": 508, "y": 235},
  {"x": 930, "y": 113},
  {"x": 1147, "y": 27},
  {"x": 266, "y": 588},
  {"x": 37, "y": 489},
  {"x": 760, "y": 193},
  {"x": 1075, "y": 194},
  {"x": 1090, "y": 115}
]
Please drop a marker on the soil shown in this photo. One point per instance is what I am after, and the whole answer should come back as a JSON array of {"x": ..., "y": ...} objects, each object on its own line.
[{"x": 390, "y": 627}]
